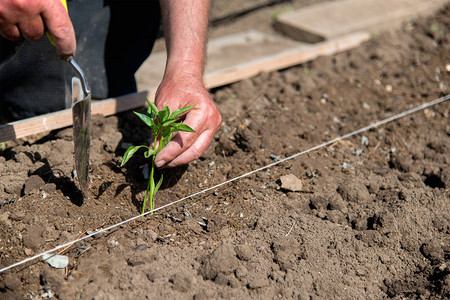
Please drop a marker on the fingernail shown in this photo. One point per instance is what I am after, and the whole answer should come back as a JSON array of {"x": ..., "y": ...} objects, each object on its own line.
[{"x": 160, "y": 163}]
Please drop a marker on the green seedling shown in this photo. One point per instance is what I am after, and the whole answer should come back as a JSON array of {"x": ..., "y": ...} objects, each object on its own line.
[
  {"x": 435, "y": 27},
  {"x": 163, "y": 125},
  {"x": 277, "y": 14}
]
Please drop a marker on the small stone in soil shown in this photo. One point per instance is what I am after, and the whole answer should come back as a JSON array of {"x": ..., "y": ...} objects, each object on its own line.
[
  {"x": 56, "y": 261},
  {"x": 364, "y": 141},
  {"x": 174, "y": 218},
  {"x": 152, "y": 235},
  {"x": 346, "y": 165},
  {"x": 95, "y": 236},
  {"x": 358, "y": 152},
  {"x": 141, "y": 247},
  {"x": 291, "y": 183},
  {"x": 275, "y": 157},
  {"x": 19, "y": 216}
]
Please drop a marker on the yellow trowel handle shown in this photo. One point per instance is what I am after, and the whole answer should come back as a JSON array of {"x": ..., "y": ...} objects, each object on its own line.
[
  {"x": 72, "y": 62},
  {"x": 49, "y": 35}
]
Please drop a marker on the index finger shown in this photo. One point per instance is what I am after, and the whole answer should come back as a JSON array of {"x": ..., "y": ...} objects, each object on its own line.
[
  {"x": 60, "y": 27},
  {"x": 182, "y": 141}
]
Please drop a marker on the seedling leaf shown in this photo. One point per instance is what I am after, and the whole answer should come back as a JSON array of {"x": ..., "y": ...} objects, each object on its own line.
[
  {"x": 183, "y": 127},
  {"x": 146, "y": 119},
  {"x": 152, "y": 110},
  {"x": 149, "y": 153},
  {"x": 152, "y": 183},
  {"x": 168, "y": 122},
  {"x": 158, "y": 185},
  {"x": 166, "y": 140},
  {"x": 129, "y": 153},
  {"x": 180, "y": 111},
  {"x": 163, "y": 114}
]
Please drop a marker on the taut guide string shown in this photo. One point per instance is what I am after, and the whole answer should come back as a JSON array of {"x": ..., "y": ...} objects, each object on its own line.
[{"x": 374, "y": 125}]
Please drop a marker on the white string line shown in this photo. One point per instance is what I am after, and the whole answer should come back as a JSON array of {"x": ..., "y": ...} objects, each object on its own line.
[{"x": 376, "y": 124}]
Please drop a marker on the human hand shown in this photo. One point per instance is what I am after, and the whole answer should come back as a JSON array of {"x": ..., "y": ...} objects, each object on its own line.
[
  {"x": 30, "y": 19},
  {"x": 181, "y": 90}
]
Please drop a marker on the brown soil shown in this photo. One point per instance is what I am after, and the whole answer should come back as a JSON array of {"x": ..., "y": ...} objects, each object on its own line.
[{"x": 370, "y": 220}]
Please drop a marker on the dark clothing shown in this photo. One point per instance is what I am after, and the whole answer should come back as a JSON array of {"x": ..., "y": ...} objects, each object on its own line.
[{"x": 113, "y": 39}]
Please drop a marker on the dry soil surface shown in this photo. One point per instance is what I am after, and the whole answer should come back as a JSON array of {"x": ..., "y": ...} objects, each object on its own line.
[{"x": 363, "y": 218}]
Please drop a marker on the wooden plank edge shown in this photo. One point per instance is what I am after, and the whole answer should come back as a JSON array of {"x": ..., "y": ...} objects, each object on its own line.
[
  {"x": 63, "y": 118},
  {"x": 288, "y": 25},
  {"x": 60, "y": 119},
  {"x": 285, "y": 59},
  {"x": 393, "y": 19}
]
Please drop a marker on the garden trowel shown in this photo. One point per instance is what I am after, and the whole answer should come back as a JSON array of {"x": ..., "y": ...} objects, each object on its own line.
[{"x": 81, "y": 114}]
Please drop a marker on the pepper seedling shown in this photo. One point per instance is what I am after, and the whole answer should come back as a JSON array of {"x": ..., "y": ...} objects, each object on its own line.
[{"x": 163, "y": 125}]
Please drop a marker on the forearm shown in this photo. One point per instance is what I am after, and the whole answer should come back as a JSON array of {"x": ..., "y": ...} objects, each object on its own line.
[{"x": 185, "y": 27}]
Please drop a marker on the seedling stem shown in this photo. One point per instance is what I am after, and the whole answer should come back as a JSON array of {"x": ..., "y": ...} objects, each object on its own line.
[{"x": 163, "y": 124}]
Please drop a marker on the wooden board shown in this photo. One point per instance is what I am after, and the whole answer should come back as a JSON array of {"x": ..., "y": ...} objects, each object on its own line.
[
  {"x": 284, "y": 59},
  {"x": 63, "y": 118},
  {"x": 329, "y": 20},
  {"x": 222, "y": 53}
]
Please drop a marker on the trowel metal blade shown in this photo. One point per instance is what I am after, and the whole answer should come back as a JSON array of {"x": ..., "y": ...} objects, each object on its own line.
[{"x": 81, "y": 113}]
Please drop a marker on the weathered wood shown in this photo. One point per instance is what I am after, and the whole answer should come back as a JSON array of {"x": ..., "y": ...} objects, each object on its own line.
[
  {"x": 285, "y": 59},
  {"x": 223, "y": 52},
  {"x": 329, "y": 20},
  {"x": 60, "y": 119},
  {"x": 63, "y": 118},
  {"x": 112, "y": 106}
]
